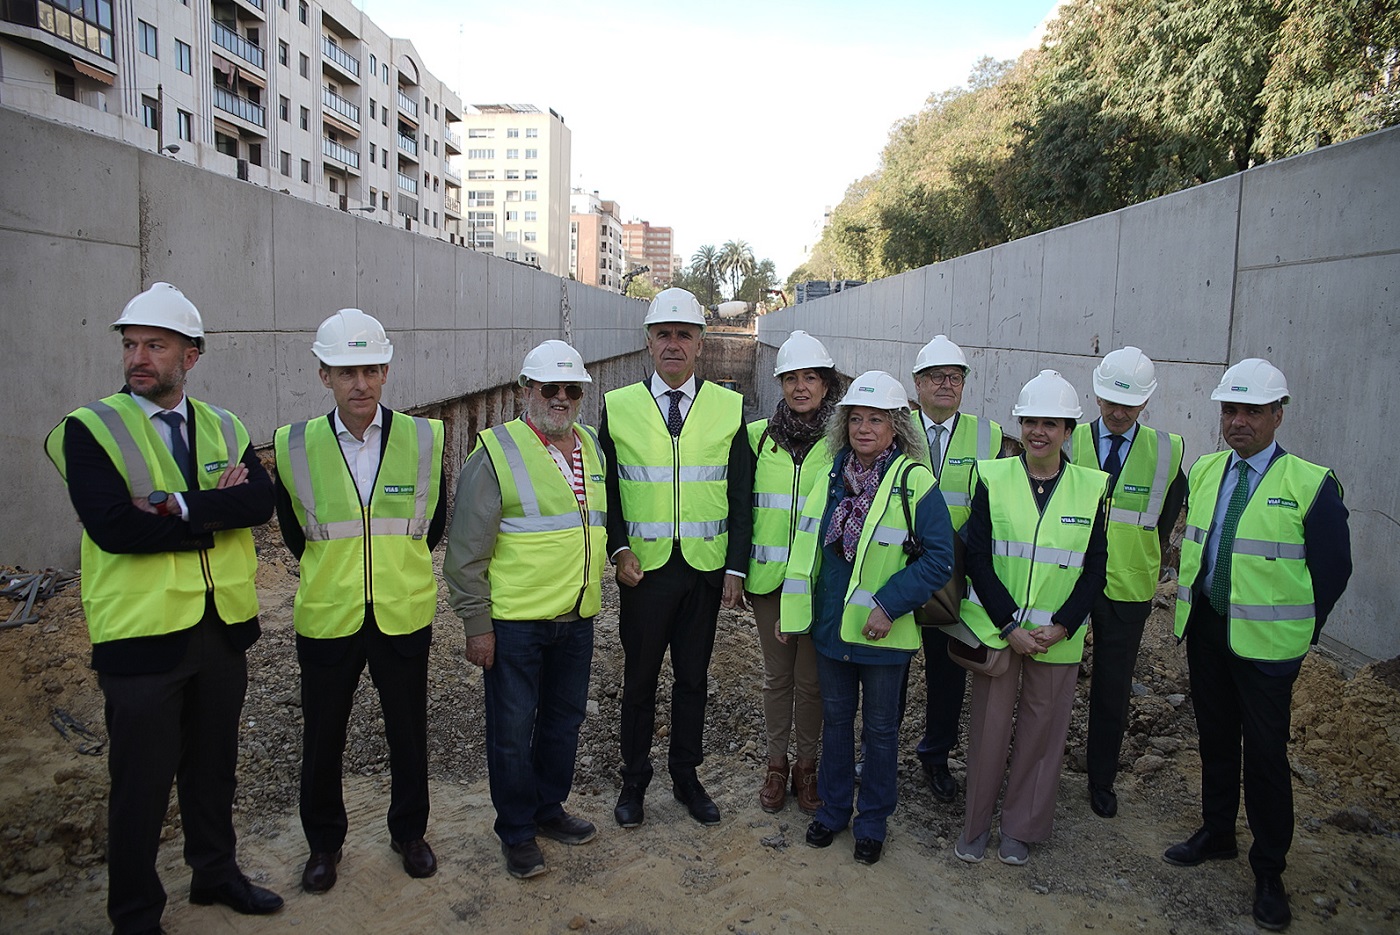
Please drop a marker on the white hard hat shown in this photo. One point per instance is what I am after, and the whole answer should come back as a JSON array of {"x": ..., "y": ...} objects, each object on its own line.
[
  {"x": 350, "y": 338},
  {"x": 1048, "y": 396},
  {"x": 940, "y": 352},
  {"x": 1254, "y": 381},
  {"x": 801, "y": 351},
  {"x": 876, "y": 389},
  {"x": 164, "y": 306},
  {"x": 674, "y": 305},
  {"x": 554, "y": 361},
  {"x": 1126, "y": 377}
]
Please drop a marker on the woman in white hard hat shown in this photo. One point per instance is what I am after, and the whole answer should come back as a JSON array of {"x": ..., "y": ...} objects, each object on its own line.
[
  {"x": 790, "y": 462},
  {"x": 863, "y": 558},
  {"x": 1036, "y": 559}
]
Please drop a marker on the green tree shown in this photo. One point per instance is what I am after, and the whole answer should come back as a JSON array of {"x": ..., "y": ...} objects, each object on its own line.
[
  {"x": 641, "y": 287},
  {"x": 707, "y": 264},
  {"x": 735, "y": 262},
  {"x": 757, "y": 283}
]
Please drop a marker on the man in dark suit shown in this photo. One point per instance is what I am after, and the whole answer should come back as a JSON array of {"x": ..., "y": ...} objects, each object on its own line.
[
  {"x": 166, "y": 487},
  {"x": 680, "y": 517},
  {"x": 361, "y": 502},
  {"x": 1267, "y": 554}
]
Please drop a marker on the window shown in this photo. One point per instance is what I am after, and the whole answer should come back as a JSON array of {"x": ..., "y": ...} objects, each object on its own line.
[
  {"x": 149, "y": 41},
  {"x": 532, "y": 174},
  {"x": 384, "y": 161},
  {"x": 512, "y": 133},
  {"x": 302, "y": 12},
  {"x": 65, "y": 86},
  {"x": 480, "y": 133},
  {"x": 435, "y": 113},
  {"x": 226, "y": 144},
  {"x": 303, "y": 65},
  {"x": 184, "y": 125},
  {"x": 425, "y": 215},
  {"x": 531, "y": 216},
  {"x": 284, "y": 163},
  {"x": 512, "y": 255},
  {"x": 284, "y": 109},
  {"x": 384, "y": 201},
  {"x": 512, "y": 215},
  {"x": 255, "y": 153},
  {"x": 481, "y": 199},
  {"x": 531, "y": 236},
  {"x": 435, "y": 149},
  {"x": 532, "y": 258},
  {"x": 149, "y": 112},
  {"x": 305, "y": 170},
  {"x": 384, "y": 116},
  {"x": 435, "y": 224},
  {"x": 283, "y": 52},
  {"x": 373, "y": 198},
  {"x": 512, "y": 236},
  {"x": 481, "y": 154},
  {"x": 512, "y": 174},
  {"x": 512, "y": 154},
  {"x": 183, "y": 58},
  {"x": 373, "y": 67},
  {"x": 532, "y": 154},
  {"x": 305, "y": 120},
  {"x": 475, "y": 174},
  {"x": 373, "y": 153},
  {"x": 334, "y": 184},
  {"x": 532, "y": 132},
  {"x": 532, "y": 195},
  {"x": 282, "y": 4},
  {"x": 512, "y": 195},
  {"x": 386, "y": 72},
  {"x": 373, "y": 109}
]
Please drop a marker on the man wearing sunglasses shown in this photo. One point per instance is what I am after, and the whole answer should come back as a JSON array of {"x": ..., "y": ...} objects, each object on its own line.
[
  {"x": 524, "y": 571},
  {"x": 680, "y": 517}
]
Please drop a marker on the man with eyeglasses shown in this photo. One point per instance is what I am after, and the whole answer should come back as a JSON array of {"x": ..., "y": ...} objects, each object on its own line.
[
  {"x": 956, "y": 442},
  {"x": 524, "y": 571}
]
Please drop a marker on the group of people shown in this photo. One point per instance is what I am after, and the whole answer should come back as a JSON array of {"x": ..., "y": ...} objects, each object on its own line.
[{"x": 837, "y": 520}]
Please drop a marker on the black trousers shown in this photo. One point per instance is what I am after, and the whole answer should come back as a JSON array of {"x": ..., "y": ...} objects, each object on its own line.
[
  {"x": 398, "y": 666},
  {"x": 1117, "y": 628},
  {"x": 180, "y": 726},
  {"x": 946, "y": 683},
  {"x": 673, "y": 607},
  {"x": 1238, "y": 700}
]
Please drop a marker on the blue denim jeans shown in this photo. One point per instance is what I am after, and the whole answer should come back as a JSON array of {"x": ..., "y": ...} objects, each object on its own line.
[
  {"x": 536, "y": 696},
  {"x": 843, "y": 685}
]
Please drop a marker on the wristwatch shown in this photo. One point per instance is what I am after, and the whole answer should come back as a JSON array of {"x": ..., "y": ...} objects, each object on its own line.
[{"x": 164, "y": 502}]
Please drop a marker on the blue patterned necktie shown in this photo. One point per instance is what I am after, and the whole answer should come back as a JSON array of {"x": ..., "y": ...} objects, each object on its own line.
[
  {"x": 178, "y": 448},
  {"x": 1113, "y": 464},
  {"x": 673, "y": 418},
  {"x": 1220, "y": 583}
]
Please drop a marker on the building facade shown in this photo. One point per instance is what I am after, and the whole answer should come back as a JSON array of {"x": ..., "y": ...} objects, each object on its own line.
[
  {"x": 596, "y": 254},
  {"x": 652, "y": 246},
  {"x": 517, "y": 184},
  {"x": 308, "y": 98}
]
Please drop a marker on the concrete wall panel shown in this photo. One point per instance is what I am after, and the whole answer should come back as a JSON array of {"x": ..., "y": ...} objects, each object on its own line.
[
  {"x": 385, "y": 280},
  {"x": 935, "y": 315},
  {"x": 1077, "y": 288},
  {"x": 318, "y": 270},
  {"x": 435, "y": 286},
  {"x": 1013, "y": 304},
  {"x": 239, "y": 372},
  {"x": 972, "y": 292},
  {"x": 472, "y": 287}
]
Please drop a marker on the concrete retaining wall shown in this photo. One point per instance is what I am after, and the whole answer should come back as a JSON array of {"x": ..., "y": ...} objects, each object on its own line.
[{"x": 1297, "y": 261}]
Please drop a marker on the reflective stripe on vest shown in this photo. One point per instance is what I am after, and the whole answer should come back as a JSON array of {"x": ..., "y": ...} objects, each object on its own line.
[
  {"x": 781, "y": 488},
  {"x": 1272, "y": 615},
  {"x": 971, "y": 441}
]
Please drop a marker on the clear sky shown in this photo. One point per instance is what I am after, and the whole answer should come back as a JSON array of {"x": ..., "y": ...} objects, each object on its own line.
[{"x": 745, "y": 121}]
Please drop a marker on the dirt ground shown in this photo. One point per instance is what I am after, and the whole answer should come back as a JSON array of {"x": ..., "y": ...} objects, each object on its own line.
[{"x": 752, "y": 873}]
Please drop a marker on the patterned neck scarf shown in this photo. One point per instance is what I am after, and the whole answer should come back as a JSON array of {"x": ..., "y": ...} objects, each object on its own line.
[
  {"x": 848, "y": 518},
  {"x": 795, "y": 436}
]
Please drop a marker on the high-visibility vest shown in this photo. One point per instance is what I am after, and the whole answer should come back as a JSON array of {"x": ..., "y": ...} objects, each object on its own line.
[
  {"x": 973, "y": 440},
  {"x": 675, "y": 489},
  {"x": 1037, "y": 556},
  {"x": 360, "y": 555},
  {"x": 1134, "y": 507},
  {"x": 879, "y": 554},
  {"x": 550, "y": 549},
  {"x": 1271, "y": 595},
  {"x": 128, "y": 595},
  {"x": 780, "y": 490}
]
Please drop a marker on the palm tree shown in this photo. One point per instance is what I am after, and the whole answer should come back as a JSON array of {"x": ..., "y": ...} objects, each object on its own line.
[
  {"x": 736, "y": 262},
  {"x": 706, "y": 264}
]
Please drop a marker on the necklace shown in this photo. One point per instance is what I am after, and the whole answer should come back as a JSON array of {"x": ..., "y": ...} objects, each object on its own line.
[{"x": 1040, "y": 481}]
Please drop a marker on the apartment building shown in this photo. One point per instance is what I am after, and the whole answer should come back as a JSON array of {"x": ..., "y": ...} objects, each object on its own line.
[
  {"x": 596, "y": 254},
  {"x": 651, "y": 246},
  {"x": 309, "y": 98},
  {"x": 517, "y": 186}
]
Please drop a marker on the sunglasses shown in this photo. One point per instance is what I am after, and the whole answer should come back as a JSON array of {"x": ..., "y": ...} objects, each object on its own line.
[{"x": 571, "y": 390}]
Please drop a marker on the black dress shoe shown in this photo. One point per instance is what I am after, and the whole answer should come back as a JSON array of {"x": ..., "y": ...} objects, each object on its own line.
[
  {"x": 697, "y": 801},
  {"x": 1103, "y": 801},
  {"x": 941, "y": 782},
  {"x": 567, "y": 829},
  {"x": 523, "y": 860},
  {"x": 868, "y": 850},
  {"x": 819, "y": 835},
  {"x": 1271, "y": 904},
  {"x": 239, "y": 895},
  {"x": 1201, "y": 846},
  {"x": 418, "y": 858},
  {"x": 319, "y": 875},
  {"x": 629, "y": 812}
]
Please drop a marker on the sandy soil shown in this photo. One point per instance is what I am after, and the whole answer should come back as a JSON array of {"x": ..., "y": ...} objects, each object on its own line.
[{"x": 750, "y": 874}]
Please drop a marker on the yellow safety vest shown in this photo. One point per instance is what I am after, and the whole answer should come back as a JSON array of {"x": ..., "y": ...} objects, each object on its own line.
[
  {"x": 1134, "y": 507},
  {"x": 780, "y": 490},
  {"x": 1271, "y": 595},
  {"x": 973, "y": 440},
  {"x": 127, "y": 595},
  {"x": 675, "y": 489},
  {"x": 1037, "y": 556},
  {"x": 548, "y": 541},
  {"x": 879, "y": 554},
  {"x": 360, "y": 555}
]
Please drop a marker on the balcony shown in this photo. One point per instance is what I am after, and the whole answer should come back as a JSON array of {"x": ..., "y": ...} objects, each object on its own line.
[
  {"x": 340, "y": 105},
  {"x": 409, "y": 145},
  {"x": 451, "y": 174},
  {"x": 408, "y": 105},
  {"x": 255, "y": 4},
  {"x": 231, "y": 41},
  {"x": 452, "y": 141},
  {"x": 453, "y": 205},
  {"x": 240, "y": 107},
  {"x": 340, "y": 153},
  {"x": 341, "y": 58},
  {"x": 408, "y": 183}
]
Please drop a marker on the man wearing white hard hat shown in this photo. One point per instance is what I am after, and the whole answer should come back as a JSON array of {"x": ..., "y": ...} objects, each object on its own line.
[
  {"x": 362, "y": 503},
  {"x": 956, "y": 441},
  {"x": 1266, "y": 557},
  {"x": 166, "y": 487},
  {"x": 1146, "y": 490},
  {"x": 524, "y": 571},
  {"x": 680, "y": 480}
]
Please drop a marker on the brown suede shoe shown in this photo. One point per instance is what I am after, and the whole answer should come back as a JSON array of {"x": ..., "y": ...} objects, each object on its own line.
[
  {"x": 804, "y": 786},
  {"x": 773, "y": 796}
]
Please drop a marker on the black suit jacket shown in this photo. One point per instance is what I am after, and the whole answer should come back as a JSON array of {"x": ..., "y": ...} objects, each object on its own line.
[{"x": 103, "y": 503}]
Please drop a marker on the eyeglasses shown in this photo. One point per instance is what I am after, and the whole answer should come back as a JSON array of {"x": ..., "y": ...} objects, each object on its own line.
[
  {"x": 550, "y": 390},
  {"x": 952, "y": 379}
]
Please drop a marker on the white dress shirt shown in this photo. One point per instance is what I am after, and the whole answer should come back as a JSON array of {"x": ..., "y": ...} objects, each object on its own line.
[
  {"x": 362, "y": 456},
  {"x": 936, "y": 457},
  {"x": 659, "y": 389},
  {"x": 182, "y": 408}
]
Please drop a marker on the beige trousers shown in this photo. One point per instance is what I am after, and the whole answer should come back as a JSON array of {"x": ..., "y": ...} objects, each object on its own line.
[{"x": 792, "y": 695}]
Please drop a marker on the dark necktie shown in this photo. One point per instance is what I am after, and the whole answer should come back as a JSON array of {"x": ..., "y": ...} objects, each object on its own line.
[
  {"x": 1220, "y": 584},
  {"x": 673, "y": 418},
  {"x": 178, "y": 449},
  {"x": 1113, "y": 464},
  {"x": 935, "y": 449}
]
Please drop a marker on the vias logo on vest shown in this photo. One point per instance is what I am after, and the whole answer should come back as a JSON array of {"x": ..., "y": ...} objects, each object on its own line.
[
  {"x": 392, "y": 489},
  {"x": 211, "y": 466},
  {"x": 1076, "y": 521},
  {"x": 1283, "y": 502}
]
